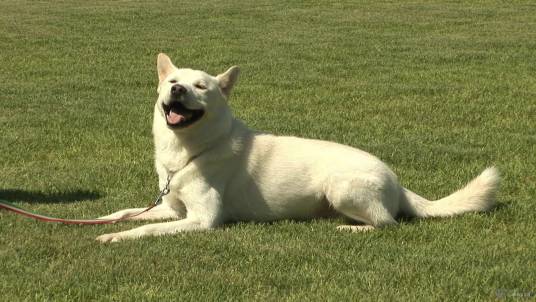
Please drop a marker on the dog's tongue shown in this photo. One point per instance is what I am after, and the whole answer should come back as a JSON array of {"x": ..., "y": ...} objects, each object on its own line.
[{"x": 174, "y": 118}]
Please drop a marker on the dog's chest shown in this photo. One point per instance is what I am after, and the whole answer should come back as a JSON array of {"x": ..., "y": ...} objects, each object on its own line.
[{"x": 172, "y": 160}]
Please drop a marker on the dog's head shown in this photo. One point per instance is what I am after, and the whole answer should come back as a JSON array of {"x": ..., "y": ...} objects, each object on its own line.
[{"x": 187, "y": 97}]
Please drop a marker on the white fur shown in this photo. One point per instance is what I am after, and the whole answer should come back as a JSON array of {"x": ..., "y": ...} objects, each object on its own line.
[{"x": 222, "y": 172}]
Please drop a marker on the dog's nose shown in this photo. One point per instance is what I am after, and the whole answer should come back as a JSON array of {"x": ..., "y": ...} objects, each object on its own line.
[{"x": 178, "y": 90}]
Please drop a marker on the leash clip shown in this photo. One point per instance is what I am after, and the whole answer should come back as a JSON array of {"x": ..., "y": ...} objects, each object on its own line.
[{"x": 165, "y": 191}]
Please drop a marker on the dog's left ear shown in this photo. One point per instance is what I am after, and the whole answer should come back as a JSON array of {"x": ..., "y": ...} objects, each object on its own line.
[
  {"x": 164, "y": 66},
  {"x": 228, "y": 79}
]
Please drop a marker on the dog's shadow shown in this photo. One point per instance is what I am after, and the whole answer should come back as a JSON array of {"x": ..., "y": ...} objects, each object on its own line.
[{"x": 48, "y": 197}]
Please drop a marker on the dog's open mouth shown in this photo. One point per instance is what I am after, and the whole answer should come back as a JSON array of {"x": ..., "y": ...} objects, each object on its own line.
[{"x": 178, "y": 116}]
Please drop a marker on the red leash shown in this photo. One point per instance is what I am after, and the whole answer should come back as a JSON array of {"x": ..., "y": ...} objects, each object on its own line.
[{"x": 11, "y": 207}]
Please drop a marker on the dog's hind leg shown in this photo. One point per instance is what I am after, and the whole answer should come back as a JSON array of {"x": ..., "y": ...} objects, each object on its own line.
[
  {"x": 159, "y": 212},
  {"x": 364, "y": 199},
  {"x": 354, "y": 228}
]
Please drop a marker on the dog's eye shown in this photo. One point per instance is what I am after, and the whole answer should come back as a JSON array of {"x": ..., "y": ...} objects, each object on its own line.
[
  {"x": 173, "y": 81},
  {"x": 200, "y": 86}
]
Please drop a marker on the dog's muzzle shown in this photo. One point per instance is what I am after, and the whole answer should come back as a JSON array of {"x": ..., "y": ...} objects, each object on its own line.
[{"x": 177, "y": 115}]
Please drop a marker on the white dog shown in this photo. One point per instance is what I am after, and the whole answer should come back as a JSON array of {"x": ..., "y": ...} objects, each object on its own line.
[{"x": 221, "y": 171}]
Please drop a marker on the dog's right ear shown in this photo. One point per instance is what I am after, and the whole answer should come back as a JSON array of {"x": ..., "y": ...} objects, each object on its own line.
[
  {"x": 164, "y": 67},
  {"x": 228, "y": 79}
]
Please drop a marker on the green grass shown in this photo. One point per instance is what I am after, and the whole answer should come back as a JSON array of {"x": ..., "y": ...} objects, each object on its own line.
[{"x": 437, "y": 90}]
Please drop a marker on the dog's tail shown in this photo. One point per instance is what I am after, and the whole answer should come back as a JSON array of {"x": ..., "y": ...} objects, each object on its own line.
[{"x": 477, "y": 196}]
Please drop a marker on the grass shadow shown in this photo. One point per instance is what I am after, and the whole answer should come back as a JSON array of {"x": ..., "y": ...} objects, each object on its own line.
[
  {"x": 503, "y": 205},
  {"x": 46, "y": 197}
]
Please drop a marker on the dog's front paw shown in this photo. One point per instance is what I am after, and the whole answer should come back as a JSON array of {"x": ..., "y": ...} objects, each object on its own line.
[{"x": 112, "y": 237}]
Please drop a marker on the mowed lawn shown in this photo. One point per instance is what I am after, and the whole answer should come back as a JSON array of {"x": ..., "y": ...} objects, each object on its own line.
[{"x": 439, "y": 91}]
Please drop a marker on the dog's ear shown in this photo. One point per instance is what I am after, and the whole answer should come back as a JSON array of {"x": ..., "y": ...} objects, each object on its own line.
[
  {"x": 228, "y": 79},
  {"x": 164, "y": 66}
]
